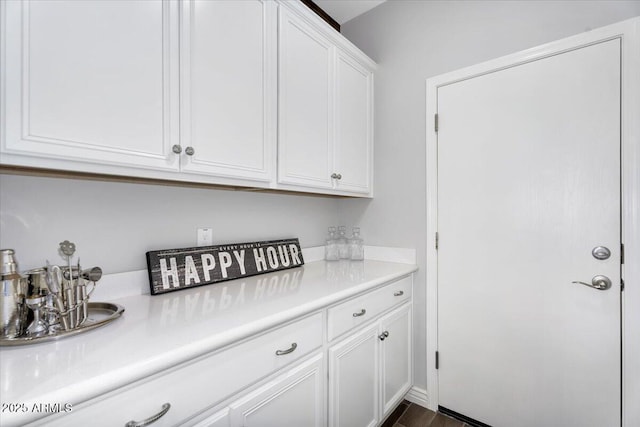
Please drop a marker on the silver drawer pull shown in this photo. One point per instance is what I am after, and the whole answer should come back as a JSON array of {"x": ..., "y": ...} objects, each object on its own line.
[
  {"x": 398, "y": 294},
  {"x": 360, "y": 313},
  {"x": 287, "y": 351},
  {"x": 150, "y": 420}
]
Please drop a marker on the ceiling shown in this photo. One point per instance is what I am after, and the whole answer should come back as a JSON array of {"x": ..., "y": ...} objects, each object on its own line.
[{"x": 345, "y": 10}]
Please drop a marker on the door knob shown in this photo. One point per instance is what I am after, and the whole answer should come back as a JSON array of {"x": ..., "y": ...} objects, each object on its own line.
[
  {"x": 601, "y": 252},
  {"x": 601, "y": 283}
]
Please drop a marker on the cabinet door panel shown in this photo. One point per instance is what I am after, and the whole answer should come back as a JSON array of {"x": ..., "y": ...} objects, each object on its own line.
[
  {"x": 219, "y": 419},
  {"x": 305, "y": 96},
  {"x": 354, "y": 117},
  {"x": 396, "y": 357},
  {"x": 354, "y": 380},
  {"x": 294, "y": 399},
  {"x": 229, "y": 97},
  {"x": 92, "y": 81}
]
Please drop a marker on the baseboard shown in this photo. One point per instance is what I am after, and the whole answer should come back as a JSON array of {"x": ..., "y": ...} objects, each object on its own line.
[{"x": 418, "y": 396}]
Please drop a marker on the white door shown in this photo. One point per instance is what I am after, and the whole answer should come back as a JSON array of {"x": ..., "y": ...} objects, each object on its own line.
[{"x": 528, "y": 186}]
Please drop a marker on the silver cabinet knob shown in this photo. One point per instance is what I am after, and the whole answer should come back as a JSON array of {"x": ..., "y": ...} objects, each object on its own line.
[
  {"x": 339, "y": 176},
  {"x": 189, "y": 151},
  {"x": 336, "y": 176},
  {"x": 601, "y": 252},
  {"x": 599, "y": 282},
  {"x": 176, "y": 149},
  {"x": 383, "y": 335}
]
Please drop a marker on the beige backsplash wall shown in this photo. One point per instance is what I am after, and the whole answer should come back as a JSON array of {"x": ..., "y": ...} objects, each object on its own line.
[{"x": 114, "y": 224}]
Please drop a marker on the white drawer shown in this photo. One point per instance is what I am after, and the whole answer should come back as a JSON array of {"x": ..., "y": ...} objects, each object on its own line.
[
  {"x": 349, "y": 314},
  {"x": 200, "y": 384}
]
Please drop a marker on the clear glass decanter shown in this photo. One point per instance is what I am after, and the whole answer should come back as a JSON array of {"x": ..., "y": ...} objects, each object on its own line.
[
  {"x": 331, "y": 246},
  {"x": 356, "y": 245},
  {"x": 343, "y": 243}
]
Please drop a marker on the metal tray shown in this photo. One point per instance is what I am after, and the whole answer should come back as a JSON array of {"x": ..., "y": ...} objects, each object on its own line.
[{"x": 100, "y": 313}]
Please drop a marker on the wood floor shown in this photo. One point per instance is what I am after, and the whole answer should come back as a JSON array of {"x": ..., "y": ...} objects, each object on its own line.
[{"x": 409, "y": 414}]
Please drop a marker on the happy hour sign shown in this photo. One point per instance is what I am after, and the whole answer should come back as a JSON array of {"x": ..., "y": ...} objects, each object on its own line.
[{"x": 175, "y": 269}]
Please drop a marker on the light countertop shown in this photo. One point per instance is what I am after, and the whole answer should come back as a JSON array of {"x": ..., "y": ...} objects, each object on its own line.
[{"x": 158, "y": 332}]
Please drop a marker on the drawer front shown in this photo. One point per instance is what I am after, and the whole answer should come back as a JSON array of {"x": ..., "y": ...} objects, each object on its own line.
[
  {"x": 197, "y": 385},
  {"x": 360, "y": 310}
]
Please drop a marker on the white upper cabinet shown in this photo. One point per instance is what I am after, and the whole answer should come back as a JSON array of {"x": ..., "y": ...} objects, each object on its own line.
[
  {"x": 228, "y": 92},
  {"x": 305, "y": 104},
  {"x": 354, "y": 125},
  {"x": 91, "y": 81},
  {"x": 325, "y": 139},
  {"x": 253, "y": 93}
]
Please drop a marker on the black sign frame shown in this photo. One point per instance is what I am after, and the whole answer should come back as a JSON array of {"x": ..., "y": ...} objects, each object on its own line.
[{"x": 184, "y": 268}]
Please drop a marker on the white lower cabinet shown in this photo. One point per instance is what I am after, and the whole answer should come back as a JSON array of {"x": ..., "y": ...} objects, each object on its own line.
[
  {"x": 201, "y": 383},
  {"x": 354, "y": 380},
  {"x": 371, "y": 371},
  {"x": 396, "y": 357},
  {"x": 279, "y": 377},
  {"x": 295, "y": 398}
]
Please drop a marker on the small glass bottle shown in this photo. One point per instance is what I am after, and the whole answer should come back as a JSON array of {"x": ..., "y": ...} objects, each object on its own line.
[
  {"x": 331, "y": 246},
  {"x": 343, "y": 243},
  {"x": 356, "y": 245}
]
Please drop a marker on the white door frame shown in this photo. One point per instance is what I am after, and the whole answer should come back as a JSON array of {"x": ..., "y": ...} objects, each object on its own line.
[{"x": 629, "y": 33}]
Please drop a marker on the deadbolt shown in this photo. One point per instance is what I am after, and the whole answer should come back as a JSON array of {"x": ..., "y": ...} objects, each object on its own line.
[{"x": 601, "y": 252}]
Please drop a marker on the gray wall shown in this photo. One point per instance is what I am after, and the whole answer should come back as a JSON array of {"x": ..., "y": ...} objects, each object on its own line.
[
  {"x": 115, "y": 224},
  {"x": 414, "y": 40}
]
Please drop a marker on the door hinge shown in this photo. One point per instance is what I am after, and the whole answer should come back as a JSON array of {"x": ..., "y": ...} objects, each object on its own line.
[
  {"x": 435, "y": 121},
  {"x": 437, "y": 240},
  {"x": 621, "y": 285},
  {"x": 437, "y": 360},
  {"x": 621, "y": 253}
]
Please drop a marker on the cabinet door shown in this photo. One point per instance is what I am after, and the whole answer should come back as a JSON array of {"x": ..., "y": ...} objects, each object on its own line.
[
  {"x": 354, "y": 125},
  {"x": 90, "y": 82},
  {"x": 306, "y": 88},
  {"x": 397, "y": 359},
  {"x": 295, "y": 398},
  {"x": 228, "y": 88},
  {"x": 219, "y": 419},
  {"x": 354, "y": 380}
]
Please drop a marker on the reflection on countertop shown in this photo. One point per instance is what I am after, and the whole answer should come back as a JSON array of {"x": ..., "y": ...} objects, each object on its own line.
[{"x": 206, "y": 300}]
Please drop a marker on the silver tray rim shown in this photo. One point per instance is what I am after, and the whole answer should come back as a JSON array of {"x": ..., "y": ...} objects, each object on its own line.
[{"x": 116, "y": 312}]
